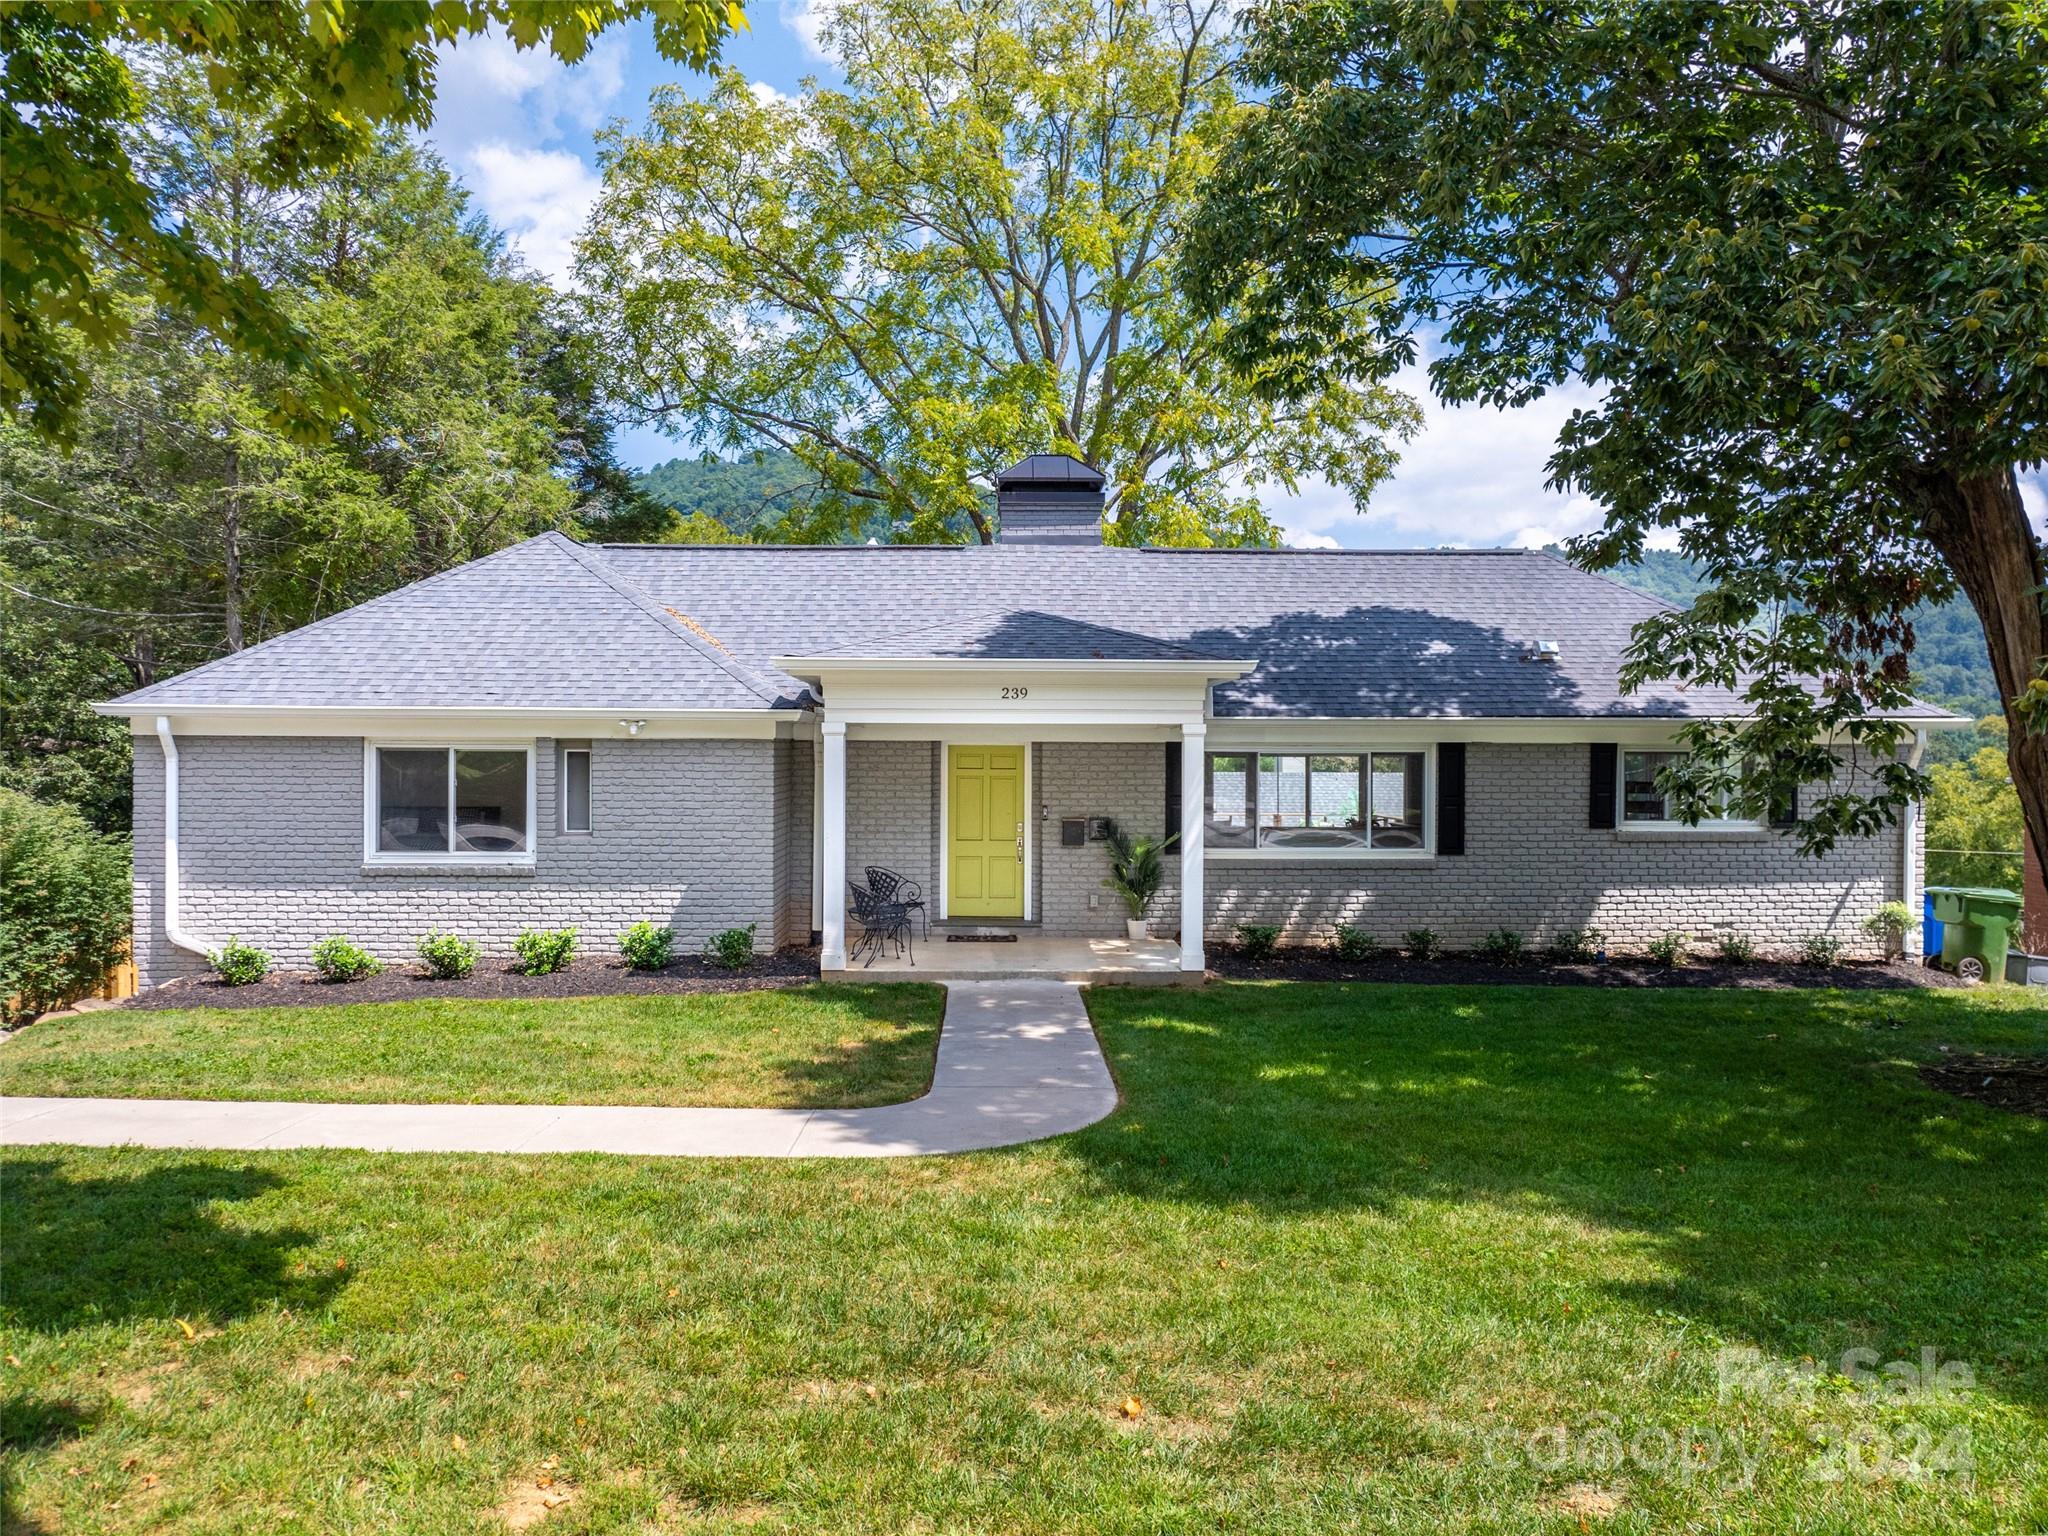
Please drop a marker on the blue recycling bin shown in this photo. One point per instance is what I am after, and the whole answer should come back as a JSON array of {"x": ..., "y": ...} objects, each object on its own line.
[{"x": 1930, "y": 927}]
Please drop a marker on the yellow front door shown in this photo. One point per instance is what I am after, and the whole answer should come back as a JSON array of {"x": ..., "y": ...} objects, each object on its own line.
[{"x": 985, "y": 832}]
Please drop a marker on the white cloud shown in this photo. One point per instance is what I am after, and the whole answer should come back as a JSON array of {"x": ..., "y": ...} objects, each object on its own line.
[
  {"x": 768, "y": 96},
  {"x": 1295, "y": 540},
  {"x": 489, "y": 90},
  {"x": 539, "y": 197},
  {"x": 1471, "y": 477},
  {"x": 807, "y": 19}
]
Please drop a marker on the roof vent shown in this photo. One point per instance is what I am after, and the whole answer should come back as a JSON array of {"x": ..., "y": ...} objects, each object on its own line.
[
  {"x": 1544, "y": 651},
  {"x": 1049, "y": 498}
]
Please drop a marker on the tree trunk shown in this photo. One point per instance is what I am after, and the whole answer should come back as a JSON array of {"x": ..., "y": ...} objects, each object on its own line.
[{"x": 1979, "y": 525}]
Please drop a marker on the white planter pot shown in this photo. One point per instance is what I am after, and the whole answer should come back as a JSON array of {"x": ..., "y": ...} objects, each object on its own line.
[{"x": 1134, "y": 930}]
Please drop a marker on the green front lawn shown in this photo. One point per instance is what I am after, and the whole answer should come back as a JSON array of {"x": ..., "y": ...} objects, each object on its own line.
[
  {"x": 1357, "y": 1258},
  {"x": 820, "y": 1046}
]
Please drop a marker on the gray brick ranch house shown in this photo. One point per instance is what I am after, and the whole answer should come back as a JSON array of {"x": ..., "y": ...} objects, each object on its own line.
[{"x": 715, "y": 736}]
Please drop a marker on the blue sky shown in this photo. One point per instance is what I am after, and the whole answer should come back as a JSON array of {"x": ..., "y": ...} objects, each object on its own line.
[{"x": 519, "y": 129}]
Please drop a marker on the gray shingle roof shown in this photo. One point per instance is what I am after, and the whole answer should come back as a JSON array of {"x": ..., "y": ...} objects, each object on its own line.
[
  {"x": 1051, "y": 469},
  {"x": 1019, "y": 634},
  {"x": 1374, "y": 634},
  {"x": 544, "y": 624}
]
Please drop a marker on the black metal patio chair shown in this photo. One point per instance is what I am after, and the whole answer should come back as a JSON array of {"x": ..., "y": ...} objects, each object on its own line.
[
  {"x": 880, "y": 922},
  {"x": 890, "y": 886}
]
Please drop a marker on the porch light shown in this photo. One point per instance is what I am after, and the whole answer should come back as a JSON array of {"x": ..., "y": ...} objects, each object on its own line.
[{"x": 634, "y": 727}]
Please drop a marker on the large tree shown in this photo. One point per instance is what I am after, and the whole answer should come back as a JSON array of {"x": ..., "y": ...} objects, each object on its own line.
[
  {"x": 1799, "y": 248},
  {"x": 962, "y": 256},
  {"x": 181, "y": 525},
  {"x": 80, "y": 222}
]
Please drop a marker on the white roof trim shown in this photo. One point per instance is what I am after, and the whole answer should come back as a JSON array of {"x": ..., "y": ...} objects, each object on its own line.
[{"x": 808, "y": 667}]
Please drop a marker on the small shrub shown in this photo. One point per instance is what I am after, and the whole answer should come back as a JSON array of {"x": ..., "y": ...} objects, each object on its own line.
[
  {"x": 543, "y": 951},
  {"x": 1503, "y": 946},
  {"x": 1670, "y": 948},
  {"x": 239, "y": 964},
  {"x": 732, "y": 949},
  {"x": 1257, "y": 941},
  {"x": 336, "y": 959},
  {"x": 1353, "y": 944},
  {"x": 448, "y": 958},
  {"x": 64, "y": 905},
  {"x": 1887, "y": 925},
  {"x": 1737, "y": 948},
  {"x": 1576, "y": 946},
  {"x": 1422, "y": 943},
  {"x": 1820, "y": 949},
  {"x": 647, "y": 947}
]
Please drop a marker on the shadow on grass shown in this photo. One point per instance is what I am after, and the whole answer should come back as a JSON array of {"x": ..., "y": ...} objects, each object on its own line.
[
  {"x": 867, "y": 1070},
  {"x": 80, "y": 1252},
  {"x": 1798, "y": 1186}
]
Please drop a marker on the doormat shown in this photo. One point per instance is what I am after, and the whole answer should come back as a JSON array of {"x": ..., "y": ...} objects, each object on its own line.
[{"x": 981, "y": 938}]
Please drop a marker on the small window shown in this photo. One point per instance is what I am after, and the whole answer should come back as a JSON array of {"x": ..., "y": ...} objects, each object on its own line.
[
  {"x": 576, "y": 789},
  {"x": 1642, "y": 797},
  {"x": 468, "y": 803},
  {"x": 1642, "y": 794}
]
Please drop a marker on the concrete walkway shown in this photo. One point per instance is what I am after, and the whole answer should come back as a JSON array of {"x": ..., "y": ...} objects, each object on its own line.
[{"x": 1017, "y": 1061}]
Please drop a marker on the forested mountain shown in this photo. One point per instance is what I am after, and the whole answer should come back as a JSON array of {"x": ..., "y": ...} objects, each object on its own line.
[
  {"x": 741, "y": 495},
  {"x": 1951, "y": 666}
]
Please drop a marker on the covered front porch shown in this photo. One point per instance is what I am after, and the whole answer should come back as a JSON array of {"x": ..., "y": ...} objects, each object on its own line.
[
  {"x": 1052, "y": 957},
  {"x": 986, "y": 781}
]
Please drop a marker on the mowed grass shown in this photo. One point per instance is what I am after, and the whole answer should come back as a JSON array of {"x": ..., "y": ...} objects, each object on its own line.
[
  {"x": 1348, "y": 1259},
  {"x": 805, "y": 1047}
]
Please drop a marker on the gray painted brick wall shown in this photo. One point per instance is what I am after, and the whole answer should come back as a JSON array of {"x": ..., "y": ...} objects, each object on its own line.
[
  {"x": 892, "y": 810},
  {"x": 272, "y": 852},
  {"x": 273, "y": 840},
  {"x": 794, "y": 789},
  {"x": 1532, "y": 864},
  {"x": 1125, "y": 780}
]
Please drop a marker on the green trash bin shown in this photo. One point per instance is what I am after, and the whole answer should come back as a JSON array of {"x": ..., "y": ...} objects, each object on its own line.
[{"x": 1976, "y": 928}]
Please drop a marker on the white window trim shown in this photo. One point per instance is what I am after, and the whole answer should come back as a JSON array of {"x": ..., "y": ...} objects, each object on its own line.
[
  {"x": 1706, "y": 827},
  {"x": 1268, "y": 855},
  {"x": 372, "y": 854},
  {"x": 562, "y": 755}
]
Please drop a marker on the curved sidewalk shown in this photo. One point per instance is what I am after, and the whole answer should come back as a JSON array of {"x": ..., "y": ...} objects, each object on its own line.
[{"x": 1017, "y": 1061}]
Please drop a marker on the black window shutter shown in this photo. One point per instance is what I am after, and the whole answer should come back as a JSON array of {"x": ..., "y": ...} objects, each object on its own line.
[
  {"x": 1172, "y": 788},
  {"x": 1450, "y": 797},
  {"x": 1785, "y": 810},
  {"x": 1600, "y": 801}
]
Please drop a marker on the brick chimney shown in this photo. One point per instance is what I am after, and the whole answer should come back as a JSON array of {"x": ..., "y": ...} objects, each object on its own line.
[{"x": 1049, "y": 498}]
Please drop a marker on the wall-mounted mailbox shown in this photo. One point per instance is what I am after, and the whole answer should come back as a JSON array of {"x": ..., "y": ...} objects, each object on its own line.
[{"x": 1073, "y": 832}]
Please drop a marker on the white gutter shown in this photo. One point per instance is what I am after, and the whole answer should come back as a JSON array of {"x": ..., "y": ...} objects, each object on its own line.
[
  {"x": 172, "y": 931},
  {"x": 1909, "y": 867}
]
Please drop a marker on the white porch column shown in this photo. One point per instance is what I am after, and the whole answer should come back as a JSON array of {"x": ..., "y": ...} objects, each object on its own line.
[
  {"x": 1194, "y": 737},
  {"x": 832, "y": 818}
]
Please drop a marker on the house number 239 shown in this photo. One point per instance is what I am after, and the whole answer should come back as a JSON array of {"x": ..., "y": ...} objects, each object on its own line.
[{"x": 1016, "y": 693}]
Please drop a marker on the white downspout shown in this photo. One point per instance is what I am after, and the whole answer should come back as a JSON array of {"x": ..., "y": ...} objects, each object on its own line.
[
  {"x": 1909, "y": 867},
  {"x": 172, "y": 931}
]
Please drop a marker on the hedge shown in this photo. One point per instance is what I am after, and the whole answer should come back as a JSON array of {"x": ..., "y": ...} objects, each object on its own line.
[{"x": 64, "y": 906}]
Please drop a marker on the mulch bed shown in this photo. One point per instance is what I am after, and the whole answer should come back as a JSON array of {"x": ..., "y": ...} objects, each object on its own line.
[
  {"x": 1619, "y": 971},
  {"x": 491, "y": 979},
  {"x": 2016, "y": 1083}
]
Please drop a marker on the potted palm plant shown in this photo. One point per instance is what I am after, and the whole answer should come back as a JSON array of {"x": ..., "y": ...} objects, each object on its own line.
[{"x": 1136, "y": 870}]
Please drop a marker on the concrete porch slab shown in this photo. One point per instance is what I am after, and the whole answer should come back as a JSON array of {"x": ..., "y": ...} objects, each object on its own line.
[{"x": 1031, "y": 957}]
